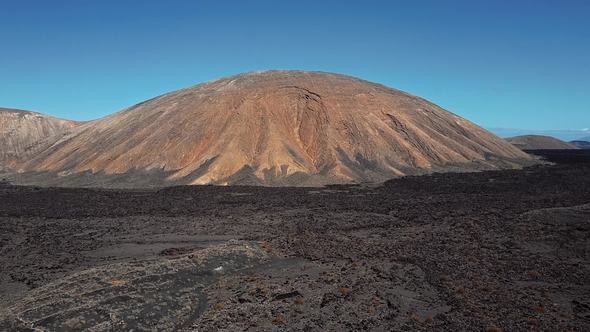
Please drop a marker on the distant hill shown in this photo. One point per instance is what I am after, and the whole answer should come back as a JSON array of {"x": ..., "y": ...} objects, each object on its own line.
[
  {"x": 585, "y": 138},
  {"x": 23, "y": 134},
  {"x": 537, "y": 142},
  {"x": 582, "y": 144}
]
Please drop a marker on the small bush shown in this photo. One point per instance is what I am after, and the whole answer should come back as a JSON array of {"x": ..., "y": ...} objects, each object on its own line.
[
  {"x": 278, "y": 321},
  {"x": 74, "y": 323},
  {"x": 117, "y": 282},
  {"x": 477, "y": 281},
  {"x": 493, "y": 329}
]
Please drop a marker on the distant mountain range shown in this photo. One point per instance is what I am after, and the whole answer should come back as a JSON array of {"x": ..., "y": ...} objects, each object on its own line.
[
  {"x": 564, "y": 135},
  {"x": 581, "y": 143}
]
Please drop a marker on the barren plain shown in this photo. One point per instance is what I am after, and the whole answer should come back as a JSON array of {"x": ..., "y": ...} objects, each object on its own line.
[{"x": 501, "y": 250}]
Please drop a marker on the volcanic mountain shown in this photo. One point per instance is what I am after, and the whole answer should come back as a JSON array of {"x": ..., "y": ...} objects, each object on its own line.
[
  {"x": 278, "y": 128},
  {"x": 23, "y": 134},
  {"x": 538, "y": 142}
]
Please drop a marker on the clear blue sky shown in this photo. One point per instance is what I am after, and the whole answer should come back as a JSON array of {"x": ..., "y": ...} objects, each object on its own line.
[{"x": 521, "y": 64}]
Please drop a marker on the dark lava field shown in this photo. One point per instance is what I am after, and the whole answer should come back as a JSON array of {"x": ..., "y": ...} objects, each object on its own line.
[{"x": 484, "y": 251}]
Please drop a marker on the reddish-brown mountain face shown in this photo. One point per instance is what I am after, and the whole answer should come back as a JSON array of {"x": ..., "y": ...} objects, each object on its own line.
[
  {"x": 280, "y": 128},
  {"x": 24, "y": 134}
]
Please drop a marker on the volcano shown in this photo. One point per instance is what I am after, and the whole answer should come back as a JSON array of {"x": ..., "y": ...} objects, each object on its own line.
[{"x": 277, "y": 128}]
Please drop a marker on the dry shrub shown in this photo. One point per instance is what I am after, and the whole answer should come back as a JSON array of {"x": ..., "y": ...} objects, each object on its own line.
[
  {"x": 117, "y": 282},
  {"x": 477, "y": 281},
  {"x": 493, "y": 329},
  {"x": 267, "y": 247},
  {"x": 73, "y": 323},
  {"x": 531, "y": 321},
  {"x": 278, "y": 321},
  {"x": 343, "y": 291}
]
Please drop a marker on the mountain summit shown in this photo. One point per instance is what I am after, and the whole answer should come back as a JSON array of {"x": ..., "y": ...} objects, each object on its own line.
[{"x": 279, "y": 128}]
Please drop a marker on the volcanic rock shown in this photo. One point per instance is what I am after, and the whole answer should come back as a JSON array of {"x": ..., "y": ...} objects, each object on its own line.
[
  {"x": 279, "y": 128},
  {"x": 23, "y": 134},
  {"x": 537, "y": 142}
]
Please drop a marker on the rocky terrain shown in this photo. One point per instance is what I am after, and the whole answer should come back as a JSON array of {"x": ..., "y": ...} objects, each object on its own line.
[
  {"x": 504, "y": 250},
  {"x": 538, "y": 142},
  {"x": 276, "y": 128}
]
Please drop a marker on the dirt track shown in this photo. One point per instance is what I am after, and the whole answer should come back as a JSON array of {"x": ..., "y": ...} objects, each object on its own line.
[{"x": 453, "y": 252}]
